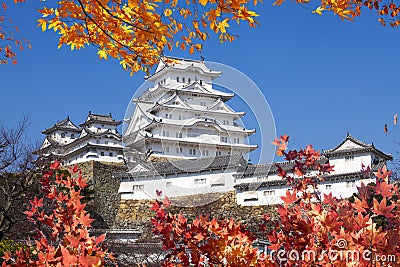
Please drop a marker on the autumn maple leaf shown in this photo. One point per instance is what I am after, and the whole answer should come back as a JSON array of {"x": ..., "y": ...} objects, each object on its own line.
[
  {"x": 290, "y": 197},
  {"x": 380, "y": 208}
]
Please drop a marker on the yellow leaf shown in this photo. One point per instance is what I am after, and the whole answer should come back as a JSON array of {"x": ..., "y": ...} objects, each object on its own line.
[
  {"x": 167, "y": 12},
  {"x": 124, "y": 65},
  {"x": 42, "y": 23},
  {"x": 222, "y": 25},
  {"x": 203, "y": 2},
  {"x": 318, "y": 11},
  {"x": 102, "y": 54}
]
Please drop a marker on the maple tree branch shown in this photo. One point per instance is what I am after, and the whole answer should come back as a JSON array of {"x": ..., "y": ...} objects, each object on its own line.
[
  {"x": 121, "y": 19},
  {"x": 206, "y": 252},
  {"x": 105, "y": 32}
]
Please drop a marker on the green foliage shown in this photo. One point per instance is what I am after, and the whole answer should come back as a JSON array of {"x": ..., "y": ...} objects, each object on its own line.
[{"x": 8, "y": 245}]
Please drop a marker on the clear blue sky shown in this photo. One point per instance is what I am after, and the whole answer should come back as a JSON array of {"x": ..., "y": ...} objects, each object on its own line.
[{"x": 323, "y": 77}]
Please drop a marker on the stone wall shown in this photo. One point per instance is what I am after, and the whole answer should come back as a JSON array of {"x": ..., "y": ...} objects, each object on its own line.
[
  {"x": 104, "y": 195},
  {"x": 137, "y": 214},
  {"x": 109, "y": 211}
]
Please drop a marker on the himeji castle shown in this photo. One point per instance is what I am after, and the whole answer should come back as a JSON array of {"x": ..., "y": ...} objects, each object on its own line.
[
  {"x": 184, "y": 117},
  {"x": 96, "y": 139},
  {"x": 191, "y": 136},
  {"x": 184, "y": 139}
]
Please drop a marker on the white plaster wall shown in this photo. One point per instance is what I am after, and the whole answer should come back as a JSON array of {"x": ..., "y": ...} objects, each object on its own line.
[
  {"x": 338, "y": 189},
  {"x": 341, "y": 166},
  {"x": 183, "y": 185}
]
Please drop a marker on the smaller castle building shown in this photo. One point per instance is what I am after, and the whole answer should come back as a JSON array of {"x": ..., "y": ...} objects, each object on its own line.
[
  {"x": 254, "y": 184},
  {"x": 96, "y": 139}
]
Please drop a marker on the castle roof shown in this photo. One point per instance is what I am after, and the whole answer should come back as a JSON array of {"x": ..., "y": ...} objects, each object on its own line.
[
  {"x": 100, "y": 118},
  {"x": 270, "y": 168},
  {"x": 194, "y": 88},
  {"x": 65, "y": 124},
  {"x": 198, "y": 120},
  {"x": 175, "y": 102},
  {"x": 156, "y": 169},
  {"x": 184, "y": 65},
  {"x": 352, "y": 146}
]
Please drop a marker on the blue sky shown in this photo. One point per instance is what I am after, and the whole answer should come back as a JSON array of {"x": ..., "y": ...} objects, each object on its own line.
[{"x": 323, "y": 77}]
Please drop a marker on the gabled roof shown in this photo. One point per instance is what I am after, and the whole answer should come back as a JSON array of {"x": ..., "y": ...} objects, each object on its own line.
[
  {"x": 189, "y": 166},
  {"x": 196, "y": 87},
  {"x": 180, "y": 64},
  {"x": 270, "y": 168},
  {"x": 100, "y": 118},
  {"x": 192, "y": 122},
  {"x": 65, "y": 124},
  {"x": 193, "y": 88},
  {"x": 220, "y": 103},
  {"x": 352, "y": 146},
  {"x": 174, "y": 98}
]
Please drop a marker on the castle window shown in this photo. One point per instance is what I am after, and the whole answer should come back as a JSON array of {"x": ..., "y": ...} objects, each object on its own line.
[
  {"x": 200, "y": 181},
  {"x": 236, "y": 140},
  {"x": 97, "y": 141},
  {"x": 106, "y": 142},
  {"x": 178, "y": 150},
  {"x": 183, "y": 79},
  {"x": 138, "y": 187},
  {"x": 269, "y": 193},
  {"x": 201, "y": 82},
  {"x": 63, "y": 135},
  {"x": 202, "y": 103},
  {"x": 177, "y": 79},
  {"x": 102, "y": 153},
  {"x": 178, "y": 135},
  {"x": 166, "y": 149},
  {"x": 188, "y": 80},
  {"x": 351, "y": 184},
  {"x": 110, "y": 154},
  {"x": 224, "y": 139},
  {"x": 250, "y": 199},
  {"x": 72, "y": 136},
  {"x": 349, "y": 158},
  {"x": 328, "y": 187},
  {"x": 192, "y": 151},
  {"x": 165, "y": 133},
  {"x": 164, "y": 81},
  {"x": 205, "y": 152}
]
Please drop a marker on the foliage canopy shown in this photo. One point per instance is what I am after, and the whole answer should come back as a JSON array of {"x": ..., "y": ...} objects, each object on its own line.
[{"x": 136, "y": 32}]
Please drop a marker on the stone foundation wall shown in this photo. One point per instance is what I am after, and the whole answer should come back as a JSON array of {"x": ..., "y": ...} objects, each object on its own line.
[
  {"x": 109, "y": 211},
  {"x": 137, "y": 214},
  {"x": 104, "y": 195}
]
